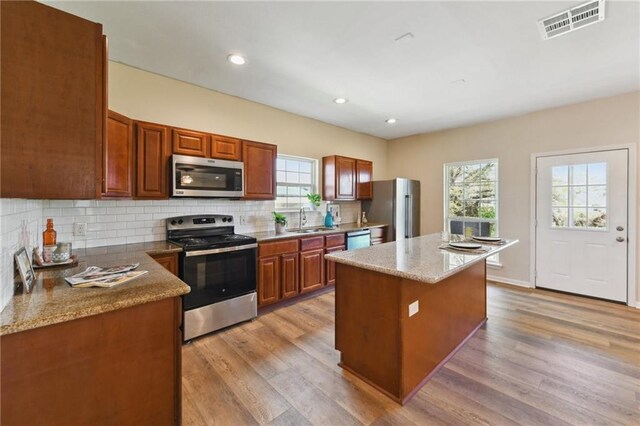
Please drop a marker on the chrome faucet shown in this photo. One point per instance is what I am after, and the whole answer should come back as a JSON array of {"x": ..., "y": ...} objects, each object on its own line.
[{"x": 303, "y": 217}]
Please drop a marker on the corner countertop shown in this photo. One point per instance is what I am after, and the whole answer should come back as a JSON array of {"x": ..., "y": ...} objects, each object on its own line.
[
  {"x": 345, "y": 227},
  {"x": 53, "y": 301},
  {"x": 419, "y": 259}
]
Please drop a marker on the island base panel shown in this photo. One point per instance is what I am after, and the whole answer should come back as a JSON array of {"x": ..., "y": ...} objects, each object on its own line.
[{"x": 396, "y": 353}]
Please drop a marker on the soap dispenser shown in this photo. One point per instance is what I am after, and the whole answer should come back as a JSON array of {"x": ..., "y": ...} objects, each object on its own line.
[{"x": 328, "y": 219}]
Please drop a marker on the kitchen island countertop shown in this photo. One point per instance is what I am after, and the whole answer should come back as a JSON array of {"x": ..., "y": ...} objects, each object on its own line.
[
  {"x": 53, "y": 301},
  {"x": 418, "y": 258}
]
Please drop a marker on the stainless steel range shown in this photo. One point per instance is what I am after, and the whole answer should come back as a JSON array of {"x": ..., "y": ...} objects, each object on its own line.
[{"x": 220, "y": 267}]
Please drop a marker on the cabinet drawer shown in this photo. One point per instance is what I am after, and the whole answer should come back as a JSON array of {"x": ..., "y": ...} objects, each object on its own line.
[
  {"x": 311, "y": 243},
  {"x": 335, "y": 240},
  {"x": 277, "y": 247},
  {"x": 377, "y": 232}
]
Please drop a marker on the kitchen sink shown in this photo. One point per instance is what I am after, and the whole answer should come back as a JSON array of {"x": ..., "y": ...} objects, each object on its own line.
[{"x": 308, "y": 230}]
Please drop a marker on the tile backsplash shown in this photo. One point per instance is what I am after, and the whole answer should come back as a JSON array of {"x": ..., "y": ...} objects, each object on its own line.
[
  {"x": 112, "y": 222},
  {"x": 20, "y": 226}
]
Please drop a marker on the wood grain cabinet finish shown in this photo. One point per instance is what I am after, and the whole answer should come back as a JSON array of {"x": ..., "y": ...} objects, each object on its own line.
[
  {"x": 311, "y": 270},
  {"x": 330, "y": 266},
  {"x": 289, "y": 275},
  {"x": 268, "y": 280},
  {"x": 117, "y": 157},
  {"x": 259, "y": 170},
  {"x": 226, "y": 148},
  {"x": 364, "y": 179},
  {"x": 120, "y": 367},
  {"x": 378, "y": 235},
  {"x": 189, "y": 142},
  {"x": 346, "y": 178},
  {"x": 169, "y": 261},
  {"x": 53, "y": 117},
  {"x": 152, "y": 161}
]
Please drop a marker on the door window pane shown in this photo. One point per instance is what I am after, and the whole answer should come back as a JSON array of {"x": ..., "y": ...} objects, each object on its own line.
[
  {"x": 598, "y": 218},
  {"x": 578, "y": 174},
  {"x": 579, "y": 196},
  {"x": 597, "y": 173},
  {"x": 598, "y": 196},
  {"x": 560, "y": 175},
  {"x": 579, "y": 217},
  {"x": 560, "y": 218},
  {"x": 560, "y": 196}
]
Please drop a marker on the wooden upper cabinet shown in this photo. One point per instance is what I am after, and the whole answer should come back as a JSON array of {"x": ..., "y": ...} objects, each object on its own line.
[
  {"x": 152, "y": 160},
  {"x": 226, "y": 148},
  {"x": 364, "y": 179},
  {"x": 188, "y": 142},
  {"x": 259, "y": 170},
  {"x": 339, "y": 178},
  {"x": 117, "y": 157},
  {"x": 52, "y": 124}
]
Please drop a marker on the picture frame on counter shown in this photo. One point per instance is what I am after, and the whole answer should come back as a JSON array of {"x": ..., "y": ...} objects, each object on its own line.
[{"x": 25, "y": 269}]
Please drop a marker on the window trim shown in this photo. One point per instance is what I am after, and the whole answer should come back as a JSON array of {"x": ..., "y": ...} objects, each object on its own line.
[
  {"x": 315, "y": 178},
  {"x": 492, "y": 260}
]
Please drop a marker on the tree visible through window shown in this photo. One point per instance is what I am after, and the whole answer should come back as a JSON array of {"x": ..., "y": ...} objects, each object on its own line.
[
  {"x": 471, "y": 197},
  {"x": 295, "y": 178}
]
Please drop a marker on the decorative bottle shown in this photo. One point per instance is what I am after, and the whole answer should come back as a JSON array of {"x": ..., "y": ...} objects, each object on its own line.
[
  {"x": 364, "y": 218},
  {"x": 49, "y": 235},
  {"x": 328, "y": 219}
]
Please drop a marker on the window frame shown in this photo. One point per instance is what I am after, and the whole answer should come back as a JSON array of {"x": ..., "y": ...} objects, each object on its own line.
[
  {"x": 314, "y": 179},
  {"x": 495, "y": 259}
]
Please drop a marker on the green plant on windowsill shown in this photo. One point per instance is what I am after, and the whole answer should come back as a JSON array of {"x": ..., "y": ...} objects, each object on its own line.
[{"x": 314, "y": 199}]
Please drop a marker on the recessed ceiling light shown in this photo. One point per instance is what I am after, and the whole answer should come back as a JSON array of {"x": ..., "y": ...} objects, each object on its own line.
[
  {"x": 341, "y": 101},
  {"x": 236, "y": 59},
  {"x": 391, "y": 121}
]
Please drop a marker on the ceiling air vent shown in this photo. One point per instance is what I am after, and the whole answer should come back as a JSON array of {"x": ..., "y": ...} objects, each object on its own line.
[{"x": 572, "y": 19}]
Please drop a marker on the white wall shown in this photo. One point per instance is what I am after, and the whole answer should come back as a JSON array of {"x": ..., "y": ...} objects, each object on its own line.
[{"x": 608, "y": 121}]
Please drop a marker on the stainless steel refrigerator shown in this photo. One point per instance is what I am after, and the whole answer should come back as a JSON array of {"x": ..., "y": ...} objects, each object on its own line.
[{"x": 396, "y": 202}]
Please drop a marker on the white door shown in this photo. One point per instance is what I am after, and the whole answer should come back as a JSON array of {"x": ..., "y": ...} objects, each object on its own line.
[{"x": 581, "y": 223}]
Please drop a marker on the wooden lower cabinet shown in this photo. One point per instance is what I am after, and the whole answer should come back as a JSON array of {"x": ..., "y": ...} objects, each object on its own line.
[
  {"x": 311, "y": 270},
  {"x": 168, "y": 261},
  {"x": 378, "y": 235},
  {"x": 268, "y": 280},
  {"x": 120, "y": 367},
  {"x": 330, "y": 267},
  {"x": 289, "y": 276}
]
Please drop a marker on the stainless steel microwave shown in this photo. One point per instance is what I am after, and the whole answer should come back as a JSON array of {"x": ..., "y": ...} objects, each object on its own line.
[{"x": 207, "y": 177}]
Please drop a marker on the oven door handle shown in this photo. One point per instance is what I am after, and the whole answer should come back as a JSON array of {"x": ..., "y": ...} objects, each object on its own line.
[{"x": 220, "y": 250}]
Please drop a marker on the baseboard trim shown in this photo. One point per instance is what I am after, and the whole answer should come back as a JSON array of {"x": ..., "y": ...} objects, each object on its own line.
[
  {"x": 502, "y": 280},
  {"x": 638, "y": 304}
]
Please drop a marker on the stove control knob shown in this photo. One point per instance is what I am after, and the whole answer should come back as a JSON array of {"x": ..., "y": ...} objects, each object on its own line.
[
  {"x": 225, "y": 219},
  {"x": 173, "y": 222},
  {"x": 180, "y": 222},
  {"x": 230, "y": 219}
]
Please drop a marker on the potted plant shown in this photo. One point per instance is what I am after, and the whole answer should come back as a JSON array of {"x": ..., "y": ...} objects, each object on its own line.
[
  {"x": 281, "y": 222},
  {"x": 314, "y": 199}
]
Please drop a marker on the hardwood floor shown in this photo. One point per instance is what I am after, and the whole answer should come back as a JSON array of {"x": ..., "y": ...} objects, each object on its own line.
[{"x": 542, "y": 358}]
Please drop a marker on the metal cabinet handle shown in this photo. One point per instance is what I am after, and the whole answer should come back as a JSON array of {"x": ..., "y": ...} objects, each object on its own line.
[{"x": 620, "y": 239}]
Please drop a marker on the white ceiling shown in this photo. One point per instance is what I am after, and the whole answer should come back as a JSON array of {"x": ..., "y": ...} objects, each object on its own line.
[{"x": 301, "y": 55}]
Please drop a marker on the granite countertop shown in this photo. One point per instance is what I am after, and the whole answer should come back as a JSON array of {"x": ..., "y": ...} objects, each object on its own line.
[
  {"x": 418, "y": 259},
  {"x": 345, "y": 227},
  {"x": 53, "y": 301}
]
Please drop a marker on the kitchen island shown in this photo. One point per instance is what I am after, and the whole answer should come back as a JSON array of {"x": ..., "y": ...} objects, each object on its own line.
[{"x": 405, "y": 307}]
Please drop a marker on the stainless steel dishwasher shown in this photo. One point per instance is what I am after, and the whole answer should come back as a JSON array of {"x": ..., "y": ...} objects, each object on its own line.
[{"x": 358, "y": 239}]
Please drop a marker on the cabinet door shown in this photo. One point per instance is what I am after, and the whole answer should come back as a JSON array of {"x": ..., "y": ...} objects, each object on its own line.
[
  {"x": 345, "y": 178},
  {"x": 53, "y": 103},
  {"x": 117, "y": 157},
  {"x": 331, "y": 266},
  {"x": 290, "y": 275},
  {"x": 364, "y": 179},
  {"x": 188, "y": 142},
  {"x": 152, "y": 161},
  {"x": 169, "y": 261},
  {"x": 268, "y": 280},
  {"x": 311, "y": 270},
  {"x": 259, "y": 170},
  {"x": 226, "y": 148}
]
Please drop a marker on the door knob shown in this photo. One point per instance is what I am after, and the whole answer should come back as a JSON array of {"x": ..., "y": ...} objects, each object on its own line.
[
  {"x": 620, "y": 239},
  {"x": 619, "y": 228}
]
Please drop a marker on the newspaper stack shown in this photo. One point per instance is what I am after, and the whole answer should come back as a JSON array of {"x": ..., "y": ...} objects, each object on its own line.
[{"x": 95, "y": 276}]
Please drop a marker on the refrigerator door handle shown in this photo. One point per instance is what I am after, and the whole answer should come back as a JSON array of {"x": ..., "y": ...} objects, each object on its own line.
[{"x": 407, "y": 216}]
